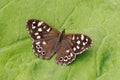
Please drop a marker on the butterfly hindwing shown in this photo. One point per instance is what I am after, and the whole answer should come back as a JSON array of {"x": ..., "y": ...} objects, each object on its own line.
[
  {"x": 43, "y": 48},
  {"x": 43, "y": 36},
  {"x": 72, "y": 45},
  {"x": 65, "y": 54}
]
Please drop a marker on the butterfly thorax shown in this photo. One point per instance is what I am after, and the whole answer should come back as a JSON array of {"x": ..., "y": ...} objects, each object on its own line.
[{"x": 61, "y": 36}]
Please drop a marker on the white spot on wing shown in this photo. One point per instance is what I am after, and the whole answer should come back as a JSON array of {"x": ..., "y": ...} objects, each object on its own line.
[
  {"x": 77, "y": 37},
  {"x": 33, "y": 27},
  {"x": 78, "y": 42},
  {"x": 74, "y": 49},
  {"x": 82, "y": 48},
  {"x": 44, "y": 27},
  {"x": 40, "y": 29},
  {"x": 84, "y": 43},
  {"x": 71, "y": 54},
  {"x": 87, "y": 39},
  {"x": 44, "y": 42},
  {"x": 73, "y": 37},
  {"x": 48, "y": 30},
  {"x": 67, "y": 51},
  {"x": 40, "y": 23},
  {"x": 78, "y": 47},
  {"x": 37, "y": 43},
  {"x": 33, "y": 22},
  {"x": 82, "y": 37},
  {"x": 38, "y": 37},
  {"x": 36, "y": 33}
]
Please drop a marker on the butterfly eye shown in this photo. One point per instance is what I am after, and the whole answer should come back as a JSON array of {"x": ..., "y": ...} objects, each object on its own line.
[
  {"x": 69, "y": 56},
  {"x": 34, "y": 24},
  {"x": 43, "y": 53},
  {"x": 39, "y": 50},
  {"x": 38, "y": 47},
  {"x": 65, "y": 58},
  {"x": 61, "y": 58}
]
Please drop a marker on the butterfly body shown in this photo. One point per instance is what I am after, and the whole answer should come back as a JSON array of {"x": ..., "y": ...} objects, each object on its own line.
[{"x": 47, "y": 41}]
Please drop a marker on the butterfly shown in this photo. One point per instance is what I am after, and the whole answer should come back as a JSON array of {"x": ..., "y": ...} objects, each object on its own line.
[{"x": 48, "y": 40}]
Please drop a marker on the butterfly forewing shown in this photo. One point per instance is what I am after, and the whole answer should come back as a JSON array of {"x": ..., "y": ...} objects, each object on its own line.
[
  {"x": 44, "y": 38},
  {"x": 40, "y": 30},
  {"x": 78, "y": 42}
]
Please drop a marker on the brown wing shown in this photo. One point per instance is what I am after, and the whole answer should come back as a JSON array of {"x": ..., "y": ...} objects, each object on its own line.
[
  {"x": 40, "y": 30},
  {"x": 44, "y": 48},
  {"x": 43, "y": 36},
  {"x": 65, "y": 54},
  {"x": 72, "y": 45},
  {"x": 79, "y": 42}
]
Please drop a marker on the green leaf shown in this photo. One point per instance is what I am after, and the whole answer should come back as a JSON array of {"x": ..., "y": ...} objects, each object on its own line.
[{"x": 99, "y": 19}]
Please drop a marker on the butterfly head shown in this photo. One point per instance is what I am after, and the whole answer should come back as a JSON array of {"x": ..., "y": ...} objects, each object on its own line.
[{"x": 63, "y": 32}]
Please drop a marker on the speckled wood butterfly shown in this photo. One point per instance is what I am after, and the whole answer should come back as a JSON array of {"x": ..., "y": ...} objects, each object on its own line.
[{"x": 48, "y": 40}]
